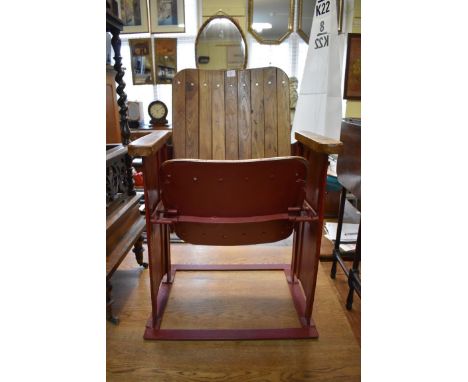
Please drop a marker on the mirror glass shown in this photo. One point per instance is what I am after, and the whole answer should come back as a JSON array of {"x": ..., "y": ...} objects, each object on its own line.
[
  {"x": 220, "y": 45},
  {"x": 270, "y": 21}
]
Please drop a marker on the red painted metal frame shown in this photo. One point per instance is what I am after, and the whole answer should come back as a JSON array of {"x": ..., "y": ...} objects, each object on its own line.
[
  {"x": 301, "y": 275},
  {"x": 306, "y": 331}
]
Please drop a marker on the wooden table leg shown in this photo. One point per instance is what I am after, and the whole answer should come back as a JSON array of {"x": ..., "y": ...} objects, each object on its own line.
[
  {"x": 110, "y": 317},
  {"x": 138, "y": 251}
]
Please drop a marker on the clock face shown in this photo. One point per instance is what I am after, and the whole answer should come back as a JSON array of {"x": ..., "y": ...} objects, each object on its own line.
[{"x": 157, "y": 110}]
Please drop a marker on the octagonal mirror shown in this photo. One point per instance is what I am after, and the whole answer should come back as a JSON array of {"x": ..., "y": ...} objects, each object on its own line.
[{"x": 271, "y": 21}]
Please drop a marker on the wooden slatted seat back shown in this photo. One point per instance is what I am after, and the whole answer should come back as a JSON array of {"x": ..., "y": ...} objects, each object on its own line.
[{"x": 233, "y": 114}]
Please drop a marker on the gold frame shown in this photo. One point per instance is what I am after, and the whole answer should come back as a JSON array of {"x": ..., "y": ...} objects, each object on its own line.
[
  {"x": 305, "y": 35},
  {"x": 222, "y": 16},
  {"x": 259, "y": 38}
]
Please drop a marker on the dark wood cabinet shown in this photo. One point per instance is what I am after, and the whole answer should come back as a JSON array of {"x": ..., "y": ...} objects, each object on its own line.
[{"x": 124, "y": 223}]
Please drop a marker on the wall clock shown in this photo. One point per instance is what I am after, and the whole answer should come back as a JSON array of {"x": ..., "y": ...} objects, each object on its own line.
[{"x": 158, "y": 113}]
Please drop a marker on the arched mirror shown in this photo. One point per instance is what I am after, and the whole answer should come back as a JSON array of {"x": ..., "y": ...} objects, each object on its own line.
[
  {"x": 271, "y": 21},
  {"x": 305, "y": 15},
  {"x": 220, "y": 44}
]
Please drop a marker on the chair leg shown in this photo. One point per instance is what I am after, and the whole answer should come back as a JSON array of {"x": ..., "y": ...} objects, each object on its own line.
[
  {"x": 354, "y": 271},
  {"x": 349, "y": 299},
  {"x": 138, "y": 250},
  {"x": 333, "y": 268},
  {"x": 167, "y": 252},
  {"x": 336, "y": 249},
  {"x": 109, "y": 316}
]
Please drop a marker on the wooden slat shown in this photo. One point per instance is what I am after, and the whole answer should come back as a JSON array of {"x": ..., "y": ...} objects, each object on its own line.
[
  {"x": 178, "y": 114},
  {"x": 217, "y": 113},
  {"x": 230, "y": 102},
  {"x": 257, "y": 121},
  {"x": 243, "y": 115},
  {"x": 205, "y": 114},
  {"x": 284, "y": 114},
  {"x": 271, "y": 118},
  {"x": 191, "y": 113}
]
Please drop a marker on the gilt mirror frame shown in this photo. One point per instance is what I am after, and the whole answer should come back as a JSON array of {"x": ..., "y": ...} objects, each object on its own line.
[
  {"x": 306, "y": 35},
  {"x": 262, "y": 40},
  {"x": 221, "y": 16}
]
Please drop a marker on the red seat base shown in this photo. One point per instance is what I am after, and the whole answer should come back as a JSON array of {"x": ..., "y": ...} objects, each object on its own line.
[{"x": 308, "y": 330}]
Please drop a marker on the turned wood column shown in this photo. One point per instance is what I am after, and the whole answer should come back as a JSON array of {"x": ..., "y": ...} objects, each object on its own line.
[{"x": 122, "y": 102}]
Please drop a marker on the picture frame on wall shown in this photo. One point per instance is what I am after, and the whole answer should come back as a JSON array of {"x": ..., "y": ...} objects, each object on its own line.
[
  {"x": 167, "y": 16},
  {"x": 352, "y": 83},
  {"x": 165, "y": 59},
  {"x": 141, "y": 58},
  {"x": 134, "y": 14}
]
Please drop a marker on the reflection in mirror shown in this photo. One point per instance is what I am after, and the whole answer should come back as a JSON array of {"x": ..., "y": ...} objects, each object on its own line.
[
  {"x": 220, "y": 44},
  {"x": 270, "y": 21},
  {"x": 305, "y": 15},
  {"x": 141, "y": 61}
]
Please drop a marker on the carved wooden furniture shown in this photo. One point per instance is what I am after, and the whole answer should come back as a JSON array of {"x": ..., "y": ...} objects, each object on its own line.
[
  {"x": 349, "y": 175},
  {"x": 227, "y": 186},
  {"x": 124, "y": 223}
]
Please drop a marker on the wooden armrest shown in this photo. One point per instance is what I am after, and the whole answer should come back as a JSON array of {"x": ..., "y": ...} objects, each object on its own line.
[
  {"x": 319, "y": 143},
  {"x": 149, "y": 144}
]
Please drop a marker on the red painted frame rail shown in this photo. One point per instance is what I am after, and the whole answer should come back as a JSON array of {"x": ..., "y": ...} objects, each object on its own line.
[{"x": 304, "y": 332}]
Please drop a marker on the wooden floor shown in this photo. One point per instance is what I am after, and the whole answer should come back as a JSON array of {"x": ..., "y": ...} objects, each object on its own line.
[{"x": 227, "y": 300}]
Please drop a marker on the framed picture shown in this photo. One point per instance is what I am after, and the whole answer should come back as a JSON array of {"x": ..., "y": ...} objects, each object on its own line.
[
  {"x": 166, "y": 59},
  {"x": 141, "y": 61},
  {"x": 167, "y": 16},
  {"x": 352, "y": 83},
  {"x": 134, "y": 14}
]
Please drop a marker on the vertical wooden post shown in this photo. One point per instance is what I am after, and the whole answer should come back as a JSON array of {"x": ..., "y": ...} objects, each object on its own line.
[{"x": 122, "y": 102}]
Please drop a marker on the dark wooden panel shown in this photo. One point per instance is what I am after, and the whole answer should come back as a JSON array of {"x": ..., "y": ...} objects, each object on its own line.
[
  {"x": 243, "y": 115},
  {"x": 349, "y": 162},
  {"x": 178, "y": 114},
  {"x": 217, "y": 115},
  {"x": 257, "y": 114},
  {"x": 205, "y": 85},
  {"x": 191, "y": 113},
  {"x": 284, "y": 113},
  {"x": 230, "y": 102},
  {"x": 271, "y": 109}
]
